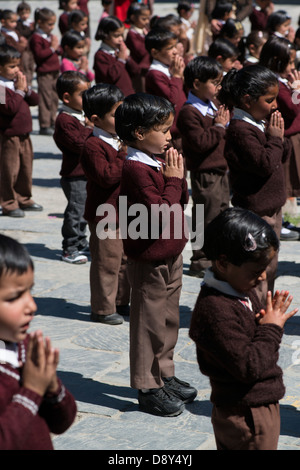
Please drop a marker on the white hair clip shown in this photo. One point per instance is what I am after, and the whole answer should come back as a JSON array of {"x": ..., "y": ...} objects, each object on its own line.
[{"x": 250, "y": 243}]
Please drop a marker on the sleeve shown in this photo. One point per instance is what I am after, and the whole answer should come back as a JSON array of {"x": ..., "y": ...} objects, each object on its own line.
[
  {"x": 40, "y": 53},
  {"x": 157, "y": 83},
  {"x": 11, "y": 103},
  {"x": 68, "y": 135},
  {"x": 110, "y": 69}
]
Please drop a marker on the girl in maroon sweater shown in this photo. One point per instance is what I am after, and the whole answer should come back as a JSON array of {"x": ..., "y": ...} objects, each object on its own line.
[
  {"x": 33, "y": 401},
  {"x": 237, "y": 337}
]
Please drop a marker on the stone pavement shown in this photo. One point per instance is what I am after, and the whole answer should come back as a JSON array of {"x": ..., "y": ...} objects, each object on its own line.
[{"x": 94, "y": 358}]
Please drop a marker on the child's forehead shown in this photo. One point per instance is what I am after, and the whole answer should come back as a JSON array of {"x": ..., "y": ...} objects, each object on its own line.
[{"x": 13, "y": 61}]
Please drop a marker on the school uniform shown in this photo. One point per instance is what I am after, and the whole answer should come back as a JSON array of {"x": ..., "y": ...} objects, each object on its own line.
[
  {"x": 16, "y": 146},
  {"x": 258, "y": 19},
  {"x": 109, "y": 69},
  {"x": 69, "y": 136},
  {"x": 69, "y": 64},
  {"x": 63, "y": 22},
  {"x": 102, "y": 163},
  {"x": 135, "y": 41},
  {"x": 25, "y": 29},
  {"x": 203, "y": 145},
  {"x": 47, "y": 69},
  {"x": 154, "y": 269}
]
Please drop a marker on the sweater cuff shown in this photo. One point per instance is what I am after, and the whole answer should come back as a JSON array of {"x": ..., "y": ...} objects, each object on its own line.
[
  {"x": 56, "y": 397},
  {"x": 21, "y": 93},
  {"x": 29, "y": 399}
]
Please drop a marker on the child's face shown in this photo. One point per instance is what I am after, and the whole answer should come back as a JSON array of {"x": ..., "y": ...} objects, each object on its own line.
[
  {"x": 264, "y": 106},
  {"x": 24, "y": 15},
  {"x": 142, "y": 20},
  {"x": 115, "y": 38},
  {"x": 72, "y": 5},
  {"x": 10, "y": 70},
  {"x": 76, "y": 52},
  {"x": 156, "y": 140},
  {"x": 284, "y": 28},
  {"x": 227, "y": 64},
  {"x": 81, "y": 26},
  {"x": 291, "y": 65},
  {"x": 107, "y": 122},
  {"x": 208, "y": 90},
  {"x": 10, "y": 23},
  {"x": 74, "y": 100},
  {"x": 17, "y": 306},
  {"x": 167, "y": 54},
  {"x": 48, "y": 25}
]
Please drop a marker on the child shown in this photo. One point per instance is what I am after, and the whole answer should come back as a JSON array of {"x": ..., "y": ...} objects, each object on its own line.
[
  {"x": 202, "y": 125},
  {"x": 165, "y": 75},
  {"x": 107, "y": 7},
  {"x": 111, "y": 62},
  {"x": 24, "y": 28},
  {"x": 9, "y": 30},
  {"x": 225, "y": 53},
  {"x": 138, "y": 17},
  {"x": 69, "y": 136},
  {"x": 68, "y": 6},
  {"x": 279, "y": 24},
  {"x": 45, "y": 48},
  {"x": 237, "y": 337},
  {"x": 34, "y": 402},
  {"x": 143, "y": 122},
  {"x": 102, "y": 161},
  {"x": 254, "y": 43},
  {"x": 260, "y": 14},
  {"x": 16, "y": 125},
  {"x": 73, "y": 46},
  {"x": 185, "y": 11},
  {"x": 233, "y": 31},
  {"x": 79, "y": 21},
  {"x": 255, "y": 151}
]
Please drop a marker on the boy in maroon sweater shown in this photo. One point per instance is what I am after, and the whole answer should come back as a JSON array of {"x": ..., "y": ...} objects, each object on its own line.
[
  {"x": 70, "y": 134},
  {"x": 143, "y": 122},
  {"x": 33, "y": 401},
  {"x": 15, "y": 127},
  {"x": 202, "y": 124}
]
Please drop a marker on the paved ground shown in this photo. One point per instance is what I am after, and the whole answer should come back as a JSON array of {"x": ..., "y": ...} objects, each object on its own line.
[{"x": 94, "y": 358}]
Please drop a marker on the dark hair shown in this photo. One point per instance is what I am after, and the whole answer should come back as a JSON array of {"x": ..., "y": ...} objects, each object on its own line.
[
  {"x": 136, "y": 9},
  {"x": 230, "y": 29},
  {"x": 8, "y": 53},
  {"x": 71, "y": 38},
  {"x": 14, "y": 257},
  {"x": 141, "y": 111},
  {"x": 106, "y": 26},
  {"x": 158, "y": 38},
  {"x": 253, "y": 80},
  {"x": 224, "y": 48},
  {"x": 6, "y": 14},
  {"x": 221, "y": 8},
  {"x": 184, "y": 5},
  {"x": 76, "y": 16},
  {"x": 202, "y": 67},
  {"x": 240, "y": 235},
  {"x": 43, "y": 14},
  {"x": 275, "y": 54},
  {"x": 100, "y": 98},
  {"x": 68, "y": 82},
  {"x": 276, "y": 19},
  {"x": 164, "y": 22},
  {"x": 23, "y": 6}
]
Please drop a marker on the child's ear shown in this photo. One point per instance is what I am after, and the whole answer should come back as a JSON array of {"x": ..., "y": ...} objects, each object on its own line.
[
  {"x": 154, "y": 53},
  {"x": 139, "y": 134},
  {"x": 66, "y": 97},
  {"x": 196, "y": 83},
  {"x": 246, "y": 100},
  {"x": 93, "y": 118},
  {"x": 221, "y": 264}
]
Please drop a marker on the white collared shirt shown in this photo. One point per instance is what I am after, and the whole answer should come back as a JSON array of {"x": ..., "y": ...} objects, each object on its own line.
[
  {"x": 106, "y": 137},
  {"x": 108, "y": 49},
  {"x": 9, "y": 353},
  {"x": 160, "y": 67},
  {"x": 242, "y": 115},
  {"x": 205, "y": 108},
  {"x": 43, "y": 34},
  {"x": 139, "y": 156},
  {"x": 7, "y": 83},
  {"x": 73, "y": 112}
]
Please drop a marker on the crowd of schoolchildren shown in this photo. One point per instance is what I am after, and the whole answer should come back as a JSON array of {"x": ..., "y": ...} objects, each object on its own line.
[{"x": 150, "y": 109}]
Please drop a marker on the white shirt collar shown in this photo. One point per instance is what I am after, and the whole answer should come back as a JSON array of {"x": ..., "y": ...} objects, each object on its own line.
[
  {"x": 242, "y": 115},
  {"x": 106, "y": 137},
  {"x": 139, "y": 156},
  {"x": 9, "y": 353},
  {"x": 204, "y": 108},
  {"x": 73, "y": 112},
  {"x": 222, "y": 286},
  {"x": 160, "y": 67},
  {"x": 13, "y": 34},
  {"x": 108, "y": 49},
  {"x": 7, "y": 83},
  {"x": 43, "y": 34}
]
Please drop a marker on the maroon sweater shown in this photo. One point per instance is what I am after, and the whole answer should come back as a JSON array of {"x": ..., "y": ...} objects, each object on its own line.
[
  {"x": 255, "y": 167},
  {"x": 144, "y": 184},
  {"x": 290, "y": 111},
  {"x": 239, "y": 356},
  {"x": 70, "y": 136},
  {"x": 46, "y": 60},
  {"x": 258, "y": 20},
  {"x": 26, "y": 418},
  {"x": 136, "y": 44},
  {"x": 15, "y": 115},
  {"x": 108, "y": 69},
  {"x": 202, "y": 142},
  {"x": 102, "y": 165}
]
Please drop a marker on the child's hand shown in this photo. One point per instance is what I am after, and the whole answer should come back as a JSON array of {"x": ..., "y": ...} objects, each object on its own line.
[
  {"x": 223, "y": 116},
  {"x": 54, "y": 42},
  {"x": 294, "y": 79},
  {"x": 39, "y": 371},
  {"x": 83, "y": 63},
  {"x": 123, "y": 52},
  {"x": 173, "y": 166},
  {"x": 276, "y": 308},
  {"x": 276, "y": 125},
  {"x": 177, "y": 67},
  {"x": 21, "y": 82}
]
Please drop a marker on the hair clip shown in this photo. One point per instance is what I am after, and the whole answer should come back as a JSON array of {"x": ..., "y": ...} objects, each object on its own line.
[{"x": 250, "y": 243}]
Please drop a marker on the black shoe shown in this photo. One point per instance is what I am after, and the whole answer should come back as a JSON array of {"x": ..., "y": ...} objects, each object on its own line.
[
  {"x": 159, "y": 402},
  {"x": 33, "y": 207},
  {"x": 123, "y": 310},
  {"x": 46, "y": 131},
  {"x": 112, "y": 319},
  {"x": 180, "y": 389},
  {"x": 15, "y": 213}
]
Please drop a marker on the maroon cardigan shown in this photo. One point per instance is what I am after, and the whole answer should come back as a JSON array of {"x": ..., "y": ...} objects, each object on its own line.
[
  {"x": 138, "y": 52},
  {"x": 70, "y": 136},
  {"x": 202, "y": 142},
  {"x": 15, "y": 115},
  {"x": 108, "y": 69},
  {"x": 290, "y": 111},
  {"x": 46, "y": 60},
  {"x": 256, "y": 171}
]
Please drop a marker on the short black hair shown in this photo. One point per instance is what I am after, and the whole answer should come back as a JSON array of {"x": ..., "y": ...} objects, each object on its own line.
[
  {"x": 100, "y": 99},
  {"x": 202, "y": 67},
  {"x": 184, "y": 5},
  {"x": 14, "y": 257},
  {"x": 106, "y": 26},
  {"x": 8, "y": 53},
  {"x": 68, "y": 82},
  {"x": 157, "y": 38},
  {"x": 141, "y": 111},
  {"x": 71, "y": 38},
  {"x": 275, "y": 19},
  {"x": 240, "y": 235},
  {"x": 276, "y": 54},
  {"x": 224, "y": 48}
]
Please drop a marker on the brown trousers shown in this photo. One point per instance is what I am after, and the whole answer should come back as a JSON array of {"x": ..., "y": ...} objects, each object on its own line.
[
  {"x": 154, "y": 320},
  {"x": 246, "y": 428},
  {"x": 48, "y": 98},
  {"x": 109, "y": 284},
  {"x": 16, "y": 172}
]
